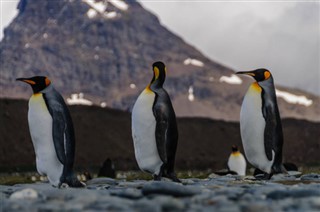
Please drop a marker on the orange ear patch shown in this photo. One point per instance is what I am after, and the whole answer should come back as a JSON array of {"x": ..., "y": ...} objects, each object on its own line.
[
  {"x": 266, "y": 75},
  {"x": 156, "y": 72},
  {"x": 47, "y": 81}
]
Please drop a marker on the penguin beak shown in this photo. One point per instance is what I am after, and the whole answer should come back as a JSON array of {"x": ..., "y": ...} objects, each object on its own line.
[
  {"x": 30, "y": 82},
  {"x": 250, "y": 73}
]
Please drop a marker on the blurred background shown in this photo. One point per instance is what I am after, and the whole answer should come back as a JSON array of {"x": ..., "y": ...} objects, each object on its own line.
[{"x": 99, "y": 53}]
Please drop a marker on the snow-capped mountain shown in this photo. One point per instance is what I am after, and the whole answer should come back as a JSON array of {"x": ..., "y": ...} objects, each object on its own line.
[{"x": 104, "y": 49}]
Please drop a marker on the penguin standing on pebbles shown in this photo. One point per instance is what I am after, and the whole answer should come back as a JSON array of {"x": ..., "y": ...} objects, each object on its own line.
[
  {"x": 52, "y": 133},
  {"x": 260, "y": 124},
  {"x": 237, "y": 162},
  {"x": 154, "y": 128}
]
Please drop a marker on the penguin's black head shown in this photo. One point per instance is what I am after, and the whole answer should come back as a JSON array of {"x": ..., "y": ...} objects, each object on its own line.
[
  {"x": 159, "y": 73},
  {"x": 258, "y": 74},
  {"x": 38, "y": 83},
  {"x": 235, "y": 148}
]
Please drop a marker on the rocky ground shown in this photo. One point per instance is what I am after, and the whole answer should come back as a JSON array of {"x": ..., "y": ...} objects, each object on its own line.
[{"x": 215, "y": 193}]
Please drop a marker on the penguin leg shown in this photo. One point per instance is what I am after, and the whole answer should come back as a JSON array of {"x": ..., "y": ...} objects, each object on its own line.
[
  {"x": 71, "y": 179},
  {"x": 161, "y": 173},
  {"x": 169, "y": 172},
  {"x": 156, "y": 177}
]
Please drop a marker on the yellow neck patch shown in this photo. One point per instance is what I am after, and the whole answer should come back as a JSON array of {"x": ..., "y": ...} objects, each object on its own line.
[
  {"x": 156, "y": 72},
  {"x": 256, "y": 87},
  {"x": 148, "y": 89},
  {"x": 37, "y": 94},
  {"x": 237, "y": 153}
]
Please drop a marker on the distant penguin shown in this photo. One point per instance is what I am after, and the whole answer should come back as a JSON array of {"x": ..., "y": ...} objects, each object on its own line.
[
  {"x": 154, "y": 128},
  {"x": 237, "y": 162},
  {"x": 107, "y": 169},
  {"x": 52, "y": 133},
  {"x": 260, "y": 124}
]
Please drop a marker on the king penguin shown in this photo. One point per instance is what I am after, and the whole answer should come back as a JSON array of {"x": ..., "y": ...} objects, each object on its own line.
[
  {"x": 154, "y": 128},
  {"x": 237, "y": 162},
  {"x": 260, "y": 124},
  {"x": 52, "y": 133}
]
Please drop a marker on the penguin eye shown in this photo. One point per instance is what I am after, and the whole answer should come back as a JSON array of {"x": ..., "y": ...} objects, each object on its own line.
[{"x": 266, "y": 75}]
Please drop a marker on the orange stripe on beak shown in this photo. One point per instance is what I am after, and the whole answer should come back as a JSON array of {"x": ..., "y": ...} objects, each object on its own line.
[{"x": 29, "y": 82}]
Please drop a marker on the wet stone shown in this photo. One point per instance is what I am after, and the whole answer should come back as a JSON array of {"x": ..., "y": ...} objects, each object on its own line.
[
  {"x": 282, "y": 177},
  {"x": 169, "y": 188},
  {"x": 311, "y": 177},
  {"x": 297, "y": 193},
  {"x": 129, "y": 193},
  {"x": 102, "y": 180},
  {"x": 222, "y": 193}
]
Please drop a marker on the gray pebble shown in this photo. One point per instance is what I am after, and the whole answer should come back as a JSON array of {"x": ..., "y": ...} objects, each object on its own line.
[
  {"x": 312, "y": 177},
  {"x": 129, "y": 193},
  {"x": 297, "y": 193},
  {"x": 168, "y": 203},
  {"x": 102, "y": 180},
  {"x": 169, "y": 188}
]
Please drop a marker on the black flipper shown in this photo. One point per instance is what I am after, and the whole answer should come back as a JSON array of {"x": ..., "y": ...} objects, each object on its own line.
[
  {"x": 269, "y": 131},
  {"x": 63, "y": 136},
  {"x": 273, "y": 135},
  {"x": 58, "y": 128},
  {"x": 161, "y": 130}
]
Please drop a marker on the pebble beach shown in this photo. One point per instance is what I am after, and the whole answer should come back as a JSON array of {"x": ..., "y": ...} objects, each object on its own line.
[{"x": 214, "y": 193}]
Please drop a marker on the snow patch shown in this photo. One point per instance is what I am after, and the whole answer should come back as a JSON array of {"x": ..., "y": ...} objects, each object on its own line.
[
  {"x": 78, "y": 99},
  {"x": 92, "y": 13},
  {"x": 132, "y": 86},
  {"x": 103, "y": 104},
  {"x": 45, "y": 35},
  {"x": 191, "y": 95},
  {"x": 119, "y": 4},
  {"x": 233, "y": 79},
  {"x": 110, "y": 15},
  {"x": 98, "y": 6},
  {"x": 194, "y": 62},
  {"x": 294, "y": 99}
]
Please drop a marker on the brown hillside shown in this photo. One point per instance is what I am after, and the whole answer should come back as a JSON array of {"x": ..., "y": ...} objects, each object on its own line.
[{"x": 102, "y": 133}]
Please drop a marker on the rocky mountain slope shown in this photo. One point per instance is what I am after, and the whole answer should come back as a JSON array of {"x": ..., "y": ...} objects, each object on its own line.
[{"x": 105, "y": 50}]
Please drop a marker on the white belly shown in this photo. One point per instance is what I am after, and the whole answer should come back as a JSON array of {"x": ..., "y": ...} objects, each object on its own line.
[
  {"x": 143, "y": 133},
  {"x": 237, "y": 164},
  {"x": 252, "y": 125},
  {"x": 40, "y": 126}
]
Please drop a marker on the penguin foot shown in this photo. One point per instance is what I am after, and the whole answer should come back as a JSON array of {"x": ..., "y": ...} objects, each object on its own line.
[
  {"x": 264, "y": 176},
  {"x": 173, "y": 177},
  {"x": 74, "y": 182},
  {"x": 156, "y": 177},
  {"x": 77, "y": 184}
]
